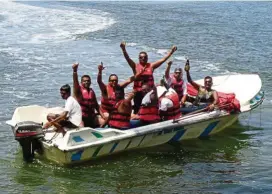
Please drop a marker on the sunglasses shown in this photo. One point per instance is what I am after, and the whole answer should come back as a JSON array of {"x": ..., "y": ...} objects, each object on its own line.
[
  {"x": 113, "y": 80},
  {"x": 142, "y": 57}
]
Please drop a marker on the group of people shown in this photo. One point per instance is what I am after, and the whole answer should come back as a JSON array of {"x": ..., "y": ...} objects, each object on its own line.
[{"x": 151, "y": 103}]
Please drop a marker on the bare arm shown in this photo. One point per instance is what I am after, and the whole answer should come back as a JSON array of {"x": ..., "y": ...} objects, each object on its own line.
[
  {"x": 158, "y": 63},
  {"x": 129, "y": 60},
  {"x": 61, "y": 117},
  {"x": 98, "y": 109},
  {"x": 189, "y": 79},
  {"x": 76, "y": 85},
  {"x": 215, "y": 97},
  {"x": 167, "y": 70},
  {"x": 132, "y": 78},
  {"x": 102, "y": 86}
]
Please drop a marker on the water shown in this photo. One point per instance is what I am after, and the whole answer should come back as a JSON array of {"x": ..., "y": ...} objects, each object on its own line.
[{"x": 40, "y": 41}]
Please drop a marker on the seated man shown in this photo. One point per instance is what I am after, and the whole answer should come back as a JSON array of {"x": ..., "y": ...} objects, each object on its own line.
[
  {"x": 206, "y": 94},
  {"x": 169, "y": 104},
  {"x": 119, "y": 117},
  {"x": 149, "y": 109},
  {"x": 176, "y": 82},
  {"x": 108, "y": 91},
  {"x": 72, "y": 115}
]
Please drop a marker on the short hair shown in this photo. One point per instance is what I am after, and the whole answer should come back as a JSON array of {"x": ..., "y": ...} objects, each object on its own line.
[
  {"x": 120, "y": 90},
  {"x": 208, "y": 77},
  {"x": 143, "y": 52},
  {"x": 112, "y": 75},
  {"x": 66, "y": 88},
  {"x": 87, "y": 76}
]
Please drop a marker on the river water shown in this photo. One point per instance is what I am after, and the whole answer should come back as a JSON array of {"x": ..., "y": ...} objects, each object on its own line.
[{"x": 39, "y": 41}]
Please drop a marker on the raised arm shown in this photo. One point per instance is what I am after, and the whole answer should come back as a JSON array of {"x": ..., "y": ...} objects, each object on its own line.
[
  {"x": 167, "y": 70},
  {"x": 102, "y": 86},
  {"x": 158, "y": 63},
  {"x": 131, "y": 63},
  {"x": 76, "y": 85},
  {"x": 132, "y": 78},
  {"x": 189, "y": 79}
]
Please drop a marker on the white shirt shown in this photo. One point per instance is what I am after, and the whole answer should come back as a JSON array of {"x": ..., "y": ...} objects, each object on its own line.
[
  {"x": 74, "y": 111},
  {"x": 165, "y": 102},
  {"x": 146, "y": 99}
]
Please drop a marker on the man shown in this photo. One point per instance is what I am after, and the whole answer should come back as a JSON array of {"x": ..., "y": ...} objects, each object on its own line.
[
  {"x": 149, "y": 109},
  {"x": 87, "y": 100},
  {"x": 205, "y": 93},
  {"x": 169, "y": 105},
  {"x": 119, "y": 117},
  {"x": 147, "y": 75},
  {"x": 72, "y": 115},
  {"x": 108, "y": 99},
  {"x": 176, "y": 82}
]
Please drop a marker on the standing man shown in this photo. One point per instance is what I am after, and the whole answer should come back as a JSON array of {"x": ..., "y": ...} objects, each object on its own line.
[
  {"x": 72, "y": 115},
  {"x": 147, "y": 75},
  {"x": 87, "y": 100},
  {"x": 176, "y": 82}
]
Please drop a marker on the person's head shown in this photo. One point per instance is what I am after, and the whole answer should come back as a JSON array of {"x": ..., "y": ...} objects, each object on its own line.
[
  {"x": 86, "y": 81},
  {"x": 178, "y": 73},
  {"x": 143, "y": 58},
  {"x": 65, "y": 91},
  {"x": 145, "y": 88},
  {"x": 119, "y": 93},
  {"x": 208, "y": 82},
  {"x": 113, "y": 80}
]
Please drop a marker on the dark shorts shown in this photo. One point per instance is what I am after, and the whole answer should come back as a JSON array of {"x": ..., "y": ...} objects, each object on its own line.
[
  {"x": 89, "y": 122},
  {"x": 137, "y": 101},
  {"x": 67, "y": 124}
]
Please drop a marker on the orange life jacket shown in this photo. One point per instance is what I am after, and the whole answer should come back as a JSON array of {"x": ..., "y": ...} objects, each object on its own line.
[
  {"x": 177, "y": 86},
  {"x": 87, "y": 102},
  {"x": 174, "y": 111},
  {"x": 119, "y": 120},
  {"x": 107, "y": 104},
  {"x": 146, "y": 76}
]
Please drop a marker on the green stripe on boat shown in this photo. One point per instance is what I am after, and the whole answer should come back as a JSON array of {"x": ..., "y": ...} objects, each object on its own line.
[
  {"x": 97, "y": 151},
  {"x": 97, "y": 135}
]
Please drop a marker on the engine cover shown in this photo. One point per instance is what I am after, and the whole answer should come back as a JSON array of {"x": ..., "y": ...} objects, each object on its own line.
[{"x": 28, "y": 129}]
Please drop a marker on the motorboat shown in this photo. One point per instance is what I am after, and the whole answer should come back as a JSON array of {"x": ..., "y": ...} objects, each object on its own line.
[{"x": 84, "y": 144}]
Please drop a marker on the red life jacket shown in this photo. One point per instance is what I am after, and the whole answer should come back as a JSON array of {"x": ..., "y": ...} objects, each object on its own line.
[
  {"x": 107, "y": 104},
  {"x": 146, "y": 76},
  {"x": 88, "y": 102},
  {"x": 119, "y": 120},
  {"x": 149, "y": 113},
  {"x": 172, "y": 112},
  {"x": 177, "y": 86}
]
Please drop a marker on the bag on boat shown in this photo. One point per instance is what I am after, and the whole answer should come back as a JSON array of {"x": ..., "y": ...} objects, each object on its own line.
[{"x": 226, "y": 101}]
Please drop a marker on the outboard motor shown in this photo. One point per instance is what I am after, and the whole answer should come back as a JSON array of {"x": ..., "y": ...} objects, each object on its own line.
[{"x": 29, "y": 133}]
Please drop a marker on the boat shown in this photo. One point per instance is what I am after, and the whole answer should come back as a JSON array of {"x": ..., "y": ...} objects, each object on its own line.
[{"x": 84, "y": 144}]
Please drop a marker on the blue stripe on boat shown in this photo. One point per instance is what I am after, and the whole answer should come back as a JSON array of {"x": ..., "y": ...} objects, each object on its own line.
[
  {"x": 113, "y": 147},
  {"x": 97, "y": 151},
  {"x": 76, "y": 156},
  {"x": 208, "y": 129},
  {"x": 177, "y": 136},
  {"x": 78, "y": 139},
  {"x": 141, "y": 140}
]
